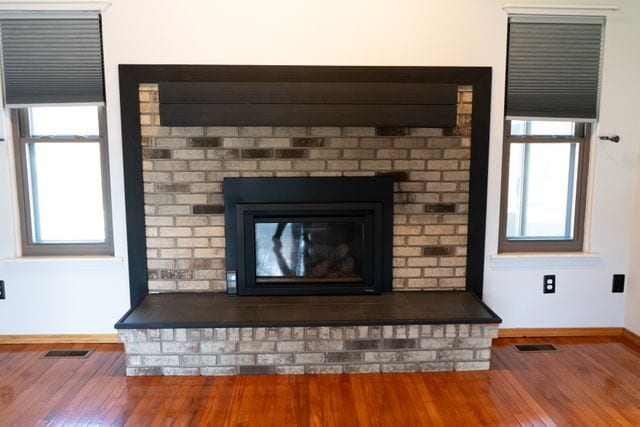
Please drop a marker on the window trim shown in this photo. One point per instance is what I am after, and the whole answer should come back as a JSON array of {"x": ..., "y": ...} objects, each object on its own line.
[
  {"x": 576, "y": 244},
  {"x": 21, "y": 137}
]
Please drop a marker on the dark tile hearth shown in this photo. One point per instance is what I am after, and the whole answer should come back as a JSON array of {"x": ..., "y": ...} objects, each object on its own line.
[{"x": 220, "y": 310}]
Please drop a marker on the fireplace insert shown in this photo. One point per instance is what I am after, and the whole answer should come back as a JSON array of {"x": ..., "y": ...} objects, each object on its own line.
[{"x": 297, "y": 236}]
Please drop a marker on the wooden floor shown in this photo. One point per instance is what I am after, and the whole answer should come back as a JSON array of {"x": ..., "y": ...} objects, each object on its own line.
[{"x": 591, "y": 381}]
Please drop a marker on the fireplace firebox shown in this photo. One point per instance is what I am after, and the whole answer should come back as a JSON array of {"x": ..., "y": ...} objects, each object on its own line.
[{"x": 305, "y": 236}]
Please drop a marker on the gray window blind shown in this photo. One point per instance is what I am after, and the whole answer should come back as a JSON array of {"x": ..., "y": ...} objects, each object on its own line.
[
  {"x": 554, "y": 67},
  {"x": 51, "y": 60}
]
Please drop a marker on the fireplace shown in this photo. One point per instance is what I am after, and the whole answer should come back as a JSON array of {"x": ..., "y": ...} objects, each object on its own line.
[
  {"x": 324, "y": 162},
  {"x": 305, "y": 236}
]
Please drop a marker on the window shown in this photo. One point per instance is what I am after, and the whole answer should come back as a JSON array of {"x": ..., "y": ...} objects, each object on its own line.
[
  {"x": 53, "y": 80},
  {"x": 545, "y": 173},
  {"x": 552, "y": 94},
  {"x": 61, "y": 157}
]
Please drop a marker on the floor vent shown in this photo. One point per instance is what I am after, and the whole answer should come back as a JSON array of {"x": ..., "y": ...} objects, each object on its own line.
[
  {"x": 531, "y": 348},
  {"x": 57, "y": 354}
]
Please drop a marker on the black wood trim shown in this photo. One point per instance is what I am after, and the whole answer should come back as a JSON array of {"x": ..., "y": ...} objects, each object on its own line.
[
  {"x": 132, "y": 75},
  {"x": 442, "y": 116},
  {"x": 133, "y": 184},
  {"x": 251, "y": 92},
  {"x": 478, "y": 177},
  {"x": 294, "y": 103}
]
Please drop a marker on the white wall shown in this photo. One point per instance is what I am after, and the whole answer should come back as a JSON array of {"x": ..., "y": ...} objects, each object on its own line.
[
  {"x": 583, "y": 297},
  {"x": 69, "y": 295},
  {"x": 632, "y": 318},
  {"x": 351, "y": 32}
]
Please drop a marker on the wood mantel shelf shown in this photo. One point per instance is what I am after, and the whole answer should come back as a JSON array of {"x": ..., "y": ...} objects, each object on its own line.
[{"x": 192, "y": 310}]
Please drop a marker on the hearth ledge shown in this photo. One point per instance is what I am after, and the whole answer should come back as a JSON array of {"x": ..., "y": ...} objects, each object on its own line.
[{"x": 196, "y": 334}]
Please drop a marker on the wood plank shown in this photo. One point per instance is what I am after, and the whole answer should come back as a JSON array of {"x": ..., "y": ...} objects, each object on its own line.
[
  {"x": 631, "y": 337},
  {"x": 354, "y": 93},
  {"x": 558, "y": 332},
  {"x": 60, "y": 339},
  {"x": 591, "y": 381},
  {"x": 439, "y": 116},
  {"x": 508, "y": 359}
]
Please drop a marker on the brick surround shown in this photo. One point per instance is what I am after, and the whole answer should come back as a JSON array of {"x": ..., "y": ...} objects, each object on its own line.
[
  {"x": 298, "y": 350},
  {"x": 183, "y": 168}
]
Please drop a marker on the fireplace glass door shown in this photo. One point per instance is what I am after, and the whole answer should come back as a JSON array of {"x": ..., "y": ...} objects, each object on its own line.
[
  {"x": 318, "y": 251},
  {"x": 308, "y": 248}
]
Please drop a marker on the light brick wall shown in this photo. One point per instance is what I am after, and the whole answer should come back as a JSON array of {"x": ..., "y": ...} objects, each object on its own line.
[
  {"x": 298, "y": 350},
  {"x": 183, "y": 168}
]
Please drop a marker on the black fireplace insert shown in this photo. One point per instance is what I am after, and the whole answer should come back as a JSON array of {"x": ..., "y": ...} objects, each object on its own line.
[{"x": 302, "y": 236}]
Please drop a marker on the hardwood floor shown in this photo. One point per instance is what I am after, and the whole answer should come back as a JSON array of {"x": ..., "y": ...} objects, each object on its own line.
[{"x": 591, "y": 381}]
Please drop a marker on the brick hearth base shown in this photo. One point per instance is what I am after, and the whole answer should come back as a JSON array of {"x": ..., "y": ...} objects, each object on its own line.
[{"x": 300, "y": 350}]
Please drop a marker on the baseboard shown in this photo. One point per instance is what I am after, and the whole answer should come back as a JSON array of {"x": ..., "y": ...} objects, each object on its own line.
[
  {"x": 631, "y": 337},
  {"x": 60, "y": 339},
  {"x": 558, "y": 332},
  {"x": 502, "y": 333}
]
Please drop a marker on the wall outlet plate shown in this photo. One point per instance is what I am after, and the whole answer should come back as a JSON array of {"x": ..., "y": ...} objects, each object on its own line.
[
  {"x": 549, "y": 284},
  {"x": 618, "y": 283}
]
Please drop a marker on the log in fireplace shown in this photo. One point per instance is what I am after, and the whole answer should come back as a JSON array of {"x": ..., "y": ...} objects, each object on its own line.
[{"x": 309, "y": 235}]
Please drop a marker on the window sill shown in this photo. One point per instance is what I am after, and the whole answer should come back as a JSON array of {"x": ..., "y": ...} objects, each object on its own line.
[
  {"x": 70, "y": 263},
  {"x": 551, "y": 259}
]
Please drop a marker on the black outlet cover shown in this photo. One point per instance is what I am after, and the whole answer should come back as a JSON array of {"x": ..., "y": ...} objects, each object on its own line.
[
  {"x": 618, "y": 283},
  {"x": 549, "y": 284}
]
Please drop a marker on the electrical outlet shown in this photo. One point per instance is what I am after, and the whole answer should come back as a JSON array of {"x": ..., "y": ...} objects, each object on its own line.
[
  {"x": 618, "y": 283},
  {"x": 2, "y": 294},
  {"x": 549, "y": 284}
]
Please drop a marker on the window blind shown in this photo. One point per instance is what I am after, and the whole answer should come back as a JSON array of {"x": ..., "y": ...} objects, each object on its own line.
[
  {"x": 554, "y": 67},
  {"x": 51, "y": 60}
]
